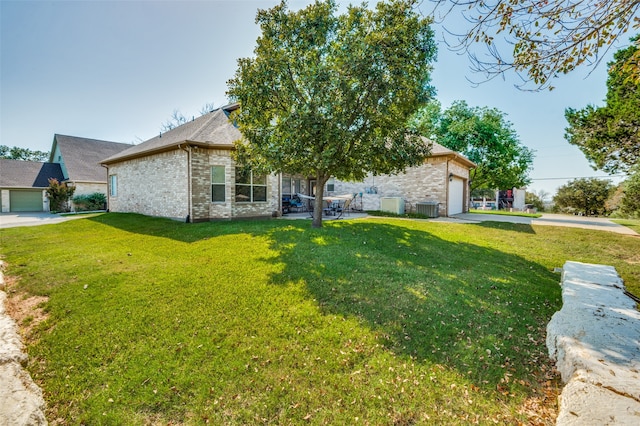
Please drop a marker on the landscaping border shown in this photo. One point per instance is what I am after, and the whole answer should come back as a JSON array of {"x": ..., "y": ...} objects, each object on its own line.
[{"x": 595, "y": 341}]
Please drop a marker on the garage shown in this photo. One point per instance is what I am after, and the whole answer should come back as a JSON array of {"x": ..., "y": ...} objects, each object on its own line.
[
  {"x": 456, "y": 196},
  {"x": 25, "y": 201}
]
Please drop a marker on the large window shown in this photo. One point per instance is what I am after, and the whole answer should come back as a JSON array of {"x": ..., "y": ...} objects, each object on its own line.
[
  {"x": 218, "y": 184},
  {"x": 113, "y": 185},
  {"x": 250, "y": 188}
]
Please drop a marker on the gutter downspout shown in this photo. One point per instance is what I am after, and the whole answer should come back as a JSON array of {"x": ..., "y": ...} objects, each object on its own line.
[
  {"x": 447, "y": 183},
  {"x": 280, "y": 211},
  {"x": 189, "y": 218},
  {"x": 108, "y": 188}
]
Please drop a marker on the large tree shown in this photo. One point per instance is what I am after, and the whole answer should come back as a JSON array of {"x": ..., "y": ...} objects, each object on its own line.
[
  {"x": 630, "y": 203},
  {"x": 585, "y": 195},
  {"x": 330, "y": 95},
  {"x": 545, "y": 38},
  {"x": 609, "y": 136},
  {"x": 24, "y": 154},
  {"x": 485, "y": 137}
]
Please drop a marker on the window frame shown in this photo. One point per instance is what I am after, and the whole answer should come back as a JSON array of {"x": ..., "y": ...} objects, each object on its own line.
[
  {"x": 222, "y": 184},
  {"x": 251, "y": 187},
  {"x": 113, "y": 185}
]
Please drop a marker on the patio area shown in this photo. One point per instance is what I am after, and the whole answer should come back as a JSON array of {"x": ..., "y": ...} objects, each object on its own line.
[{"x": 345, "y": 216}]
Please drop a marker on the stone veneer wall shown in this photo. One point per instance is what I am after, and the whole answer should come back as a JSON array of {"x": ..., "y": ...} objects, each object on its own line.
[
  {"x": 155, "y": 185},
  {"x": 427, "y": 182}
]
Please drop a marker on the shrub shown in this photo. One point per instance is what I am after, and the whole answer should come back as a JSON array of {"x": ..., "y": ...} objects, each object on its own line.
[
  {"x": 90, "y": 202},
  {"x": 59, "y": 194}
]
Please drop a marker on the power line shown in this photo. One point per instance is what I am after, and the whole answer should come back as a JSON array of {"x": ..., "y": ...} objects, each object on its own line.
[{"x": 578, "y": 177}]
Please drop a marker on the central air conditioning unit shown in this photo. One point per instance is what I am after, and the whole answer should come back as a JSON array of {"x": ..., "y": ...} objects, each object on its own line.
[
  {"x": 429, "y": 209},
  {"x": 392, "y": 205}
]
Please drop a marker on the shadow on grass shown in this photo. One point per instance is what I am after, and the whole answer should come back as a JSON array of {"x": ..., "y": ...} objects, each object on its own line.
[
  {"x": 474, "y": 309},
  {"x": 506, "y": 226},
  {"x": 177, "y": 230}
]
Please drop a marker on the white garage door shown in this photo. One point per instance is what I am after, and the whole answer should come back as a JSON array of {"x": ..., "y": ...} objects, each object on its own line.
[{"x": 456, "y": 196}]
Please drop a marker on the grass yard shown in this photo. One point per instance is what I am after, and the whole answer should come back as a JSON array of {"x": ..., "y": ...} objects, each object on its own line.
[{"x": 376, "y": 321}]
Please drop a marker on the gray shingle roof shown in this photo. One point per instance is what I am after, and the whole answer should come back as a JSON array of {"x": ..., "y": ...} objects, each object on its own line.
[
  {"x": 28, "y": 174},
  {"x": 82, "y": 156},
  {"x": 212, "y": 129},
  {"x": 438, "y": 150}
]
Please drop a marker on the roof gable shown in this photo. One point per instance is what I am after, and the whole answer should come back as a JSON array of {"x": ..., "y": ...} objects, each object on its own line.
[
  {"x": 28, "y": 174},
  {"x": 82, "y": 156},
  {"x": 438, "y": 150},
  {"x": 213, "y": 130}
]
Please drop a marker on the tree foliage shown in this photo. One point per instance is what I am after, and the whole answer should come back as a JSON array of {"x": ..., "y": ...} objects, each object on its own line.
[
  {"x": 609, "y": 136},
  {"x": 630, "y": 203},
  {"x": 485, "y": 137},
  {"x": 535, "y": 200},
  {"x": 59, "y": 195},
  {"x": 24, "y": 154},
  {"x": 330, "y": 95},
  {"x": 549, "y": 38},
  {"x": 585, "y": 195}
]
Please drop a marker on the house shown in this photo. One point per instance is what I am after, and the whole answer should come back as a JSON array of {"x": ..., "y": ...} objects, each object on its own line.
[
  {"x": 79, "y": 159},
  {"x": 23, "y": 185},
  {"x": 188, "y": 173},
  {"x": 73, "y": 160}
]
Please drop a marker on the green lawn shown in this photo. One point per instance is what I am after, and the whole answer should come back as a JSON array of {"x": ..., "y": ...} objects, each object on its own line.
[{"x": 377, "y": 321}]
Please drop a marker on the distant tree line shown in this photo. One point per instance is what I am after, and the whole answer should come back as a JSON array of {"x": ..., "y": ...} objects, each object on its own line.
[{"x": 23, "y": 154}]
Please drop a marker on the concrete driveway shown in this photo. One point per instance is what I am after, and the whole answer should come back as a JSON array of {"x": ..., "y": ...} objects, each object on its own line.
[
  {"x": 11, "y": 220},
  {"x": 548, "y": 219}
]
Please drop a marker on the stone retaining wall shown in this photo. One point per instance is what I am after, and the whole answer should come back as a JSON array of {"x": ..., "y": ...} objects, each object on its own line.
[{"x": 595, "y": 341}]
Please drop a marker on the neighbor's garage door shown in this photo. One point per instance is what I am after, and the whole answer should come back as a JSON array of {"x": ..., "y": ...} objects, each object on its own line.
[
  {"x": 25, "y": 201},
  {"x": 456, "y": 196}
]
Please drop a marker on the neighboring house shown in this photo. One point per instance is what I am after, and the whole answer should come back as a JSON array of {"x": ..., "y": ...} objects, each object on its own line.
[
  {"x": 188, "y": 173},
  {"x": 79, "y": 159},
  {"x": 23, "y": 185},
  {"x": 73, "y": 160}
]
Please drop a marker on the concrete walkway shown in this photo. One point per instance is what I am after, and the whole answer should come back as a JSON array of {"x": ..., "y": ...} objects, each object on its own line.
[
  {"x": 12, "y": 220},
  {"x": 548, "y": 219}
]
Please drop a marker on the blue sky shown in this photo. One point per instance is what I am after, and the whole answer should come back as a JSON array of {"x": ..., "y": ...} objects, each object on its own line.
[{"x": 116, "y": 70}]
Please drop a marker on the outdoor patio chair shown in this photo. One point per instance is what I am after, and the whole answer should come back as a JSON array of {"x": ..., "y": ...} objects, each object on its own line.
[{"x": 341, "y": 210}]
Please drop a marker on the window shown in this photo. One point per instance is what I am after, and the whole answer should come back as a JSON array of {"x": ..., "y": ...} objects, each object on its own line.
[
  {"x": 286, "y": 187},
  {"x": 250, "y": 188},
  {"x": 217, "y": 184},
  {"x": 331, "y": 185},
  {"x": 113, "y": 185}
]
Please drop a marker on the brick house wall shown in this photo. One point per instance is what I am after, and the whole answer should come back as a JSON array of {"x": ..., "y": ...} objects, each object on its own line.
[
  {"x": 427, "y": 182},
  {"x": 159, "y": 184},
  {"x": 260, "y": 209},
  {"x": 154, "y": 185}
]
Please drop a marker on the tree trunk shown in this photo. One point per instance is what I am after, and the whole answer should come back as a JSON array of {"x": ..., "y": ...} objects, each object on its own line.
[{"x": 318, "y": 203}]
